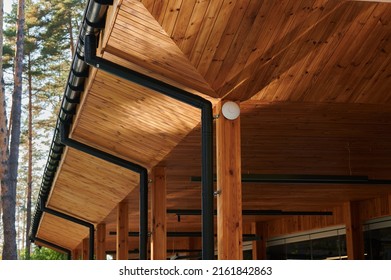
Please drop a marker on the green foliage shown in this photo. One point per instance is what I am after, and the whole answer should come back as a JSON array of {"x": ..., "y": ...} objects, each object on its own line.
[
  {"x": 49, "y": 28},
  {"x": 43, "y": 253}
]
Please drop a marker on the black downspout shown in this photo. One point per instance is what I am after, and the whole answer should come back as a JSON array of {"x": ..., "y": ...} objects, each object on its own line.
[
  {"x": 90, "y": 45},
  {"x": 64, "y": 135},
  {"x": 55, "y": 246},
  {"x": 76, "y": 221}
]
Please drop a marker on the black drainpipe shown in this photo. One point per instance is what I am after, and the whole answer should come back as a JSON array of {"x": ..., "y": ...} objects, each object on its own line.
[
  {"x": 93, "y": 22},
  {"x": 55, "y": 246},
  {"x": 74, "y": 220},
  {"x": 90, "y": 45},
  {"x": 143, "y": 241}
]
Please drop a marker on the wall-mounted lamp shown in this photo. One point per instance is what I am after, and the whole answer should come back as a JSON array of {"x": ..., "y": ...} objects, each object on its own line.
[{"x": 230, "y": 110}]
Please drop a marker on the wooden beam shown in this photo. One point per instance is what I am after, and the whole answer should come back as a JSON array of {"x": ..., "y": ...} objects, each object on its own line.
[
  {"x": 158, "y": 210},
  {"x": 101, "y": 241},
  {"x": 354, "y": 231},
  {"x": 259, "y": 246},
  {"x": 122, "y": 231},
  {"x": 229, "y": 186},
  {"x": 377, "y": 1},
  {"x": 85, "y": 249}
]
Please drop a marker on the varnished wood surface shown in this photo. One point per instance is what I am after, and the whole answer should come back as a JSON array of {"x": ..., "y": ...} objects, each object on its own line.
[
  {"x": 314, "y": 81},
  {"x": 229, "y": 188}
]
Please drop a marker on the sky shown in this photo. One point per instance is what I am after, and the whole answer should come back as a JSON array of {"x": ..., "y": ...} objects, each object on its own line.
[{"x": 7, "y": 6}]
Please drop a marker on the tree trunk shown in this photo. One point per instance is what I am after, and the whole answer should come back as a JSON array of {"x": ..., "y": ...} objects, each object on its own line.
[
  {"x": 9, "y": 187},
  {"x": 3, "y": 114},
  {"x": 30, "y": 162}
]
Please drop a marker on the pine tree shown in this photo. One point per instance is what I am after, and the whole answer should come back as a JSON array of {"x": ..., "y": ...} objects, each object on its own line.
[
  {"x": 10, "y": 179},
  {"x": 47, "y": 46},
  {"x": 3, "y": 116}
]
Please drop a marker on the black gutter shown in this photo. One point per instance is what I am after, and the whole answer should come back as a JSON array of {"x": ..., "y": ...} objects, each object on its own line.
[
  {"x": 93, "y": 20},
  {"x": 55, "y": 246},
  {"x": 76, "y": 221},
  {"x": 197, "y": 212},
  {"x": 142, "y": 171},
  {"x": 206, "y": 124}
]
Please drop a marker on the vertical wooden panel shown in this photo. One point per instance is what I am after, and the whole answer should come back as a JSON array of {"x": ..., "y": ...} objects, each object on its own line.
[
  {"x": 229, "y": 201},
  {"x": 259, "y": 246},
  {"x": 289, "y": 225},
  {"x": 85, "y": 249},
  {"x": 122, "y": 231},
  {"x": 158, "y": 209},
  {"x": 101, "y": 242},
  {"x": 195, "y": 243},
  {"x": 354, "y": 232}
]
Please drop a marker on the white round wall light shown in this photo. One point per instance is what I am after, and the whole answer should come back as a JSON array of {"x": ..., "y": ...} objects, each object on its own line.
[{"x": 230, "y": 110}]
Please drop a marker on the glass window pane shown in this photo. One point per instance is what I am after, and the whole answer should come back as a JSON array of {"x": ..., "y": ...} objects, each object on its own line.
[
  {"x": 328, "y": 248},
  {"x": 378, "y": 244},
  {"x": 276, "y": 252},
  {"x": 299, "y": 250}
]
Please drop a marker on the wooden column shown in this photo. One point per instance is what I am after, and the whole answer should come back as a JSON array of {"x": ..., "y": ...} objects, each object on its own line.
[
  {"x": 101, "y": 242},
  {"x": 76, "y": 254},
  {"x": 122, "y": 231},
  {"x": 85, "y": 248},
  {"x": 259, "y": 246},
  {"x": 158, "y": 210},
  {"x": 354, "y": 231},
  {"x": 229, "y": 186}
]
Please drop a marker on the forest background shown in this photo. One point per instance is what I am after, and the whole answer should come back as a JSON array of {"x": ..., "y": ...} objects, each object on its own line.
[{"x": 37, "y": 46}]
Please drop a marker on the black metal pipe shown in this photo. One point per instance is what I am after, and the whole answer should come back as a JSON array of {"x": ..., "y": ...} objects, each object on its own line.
[
  {"x": 143, "y": 234},
  {"x": 305, "y": 179},
  {"x": 64, "y": 135},
  {"x": 246, "y": 237},
  {"x": 54, "y": 246},
  {"x": 67, "y": 217},
  {"x": 197, "y": 212},
  {"x": 90, "y": 44}
]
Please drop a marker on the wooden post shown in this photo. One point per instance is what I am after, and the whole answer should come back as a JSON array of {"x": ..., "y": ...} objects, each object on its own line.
[
  {"x": 101, "y": 242},
  {"x": 354, "y": 231},
  {"x": 122, "y": 231},
  {"x": 229, "y": 187},
  {"x": 158, "y": 210},
  {"x": 259, "y": 246},
  {"x": 76, "y": 254},
  {"x": 85, "y": 249}
]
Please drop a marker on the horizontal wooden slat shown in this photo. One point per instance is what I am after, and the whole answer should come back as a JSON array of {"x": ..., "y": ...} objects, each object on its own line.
[
  {"x": 313, "y": 78},
  {"x": 88, "y": 188}
]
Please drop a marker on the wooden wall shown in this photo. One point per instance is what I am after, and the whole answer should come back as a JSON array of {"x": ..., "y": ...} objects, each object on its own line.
[{"x": 369, "y": 209}]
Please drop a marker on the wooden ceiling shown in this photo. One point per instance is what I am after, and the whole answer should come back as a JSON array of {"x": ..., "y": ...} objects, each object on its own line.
[{"x": 313, "y": 78}]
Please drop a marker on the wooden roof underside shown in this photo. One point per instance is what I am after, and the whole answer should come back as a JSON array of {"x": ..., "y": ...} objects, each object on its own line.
[{"x": 313, "y": 78}]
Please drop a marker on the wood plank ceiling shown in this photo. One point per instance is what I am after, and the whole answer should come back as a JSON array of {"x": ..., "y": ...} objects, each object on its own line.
[{"x": 313, "y": 78}]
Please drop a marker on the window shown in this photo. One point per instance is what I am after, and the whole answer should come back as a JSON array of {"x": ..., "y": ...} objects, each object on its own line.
[
  {"x": 377, "y": 239},
  {"x": 327, "y": 243}
]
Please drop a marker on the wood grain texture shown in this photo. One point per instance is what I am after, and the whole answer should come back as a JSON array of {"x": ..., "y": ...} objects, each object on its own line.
[
  {"x": 158, "y": 215},
  {"x": 229, "y": 186},
  {"x": 354, "y": 232},
  {"x": 122, "y": 231},
  {"x": 313, "y": 80},
  {"x": 101, "y": 241}
]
